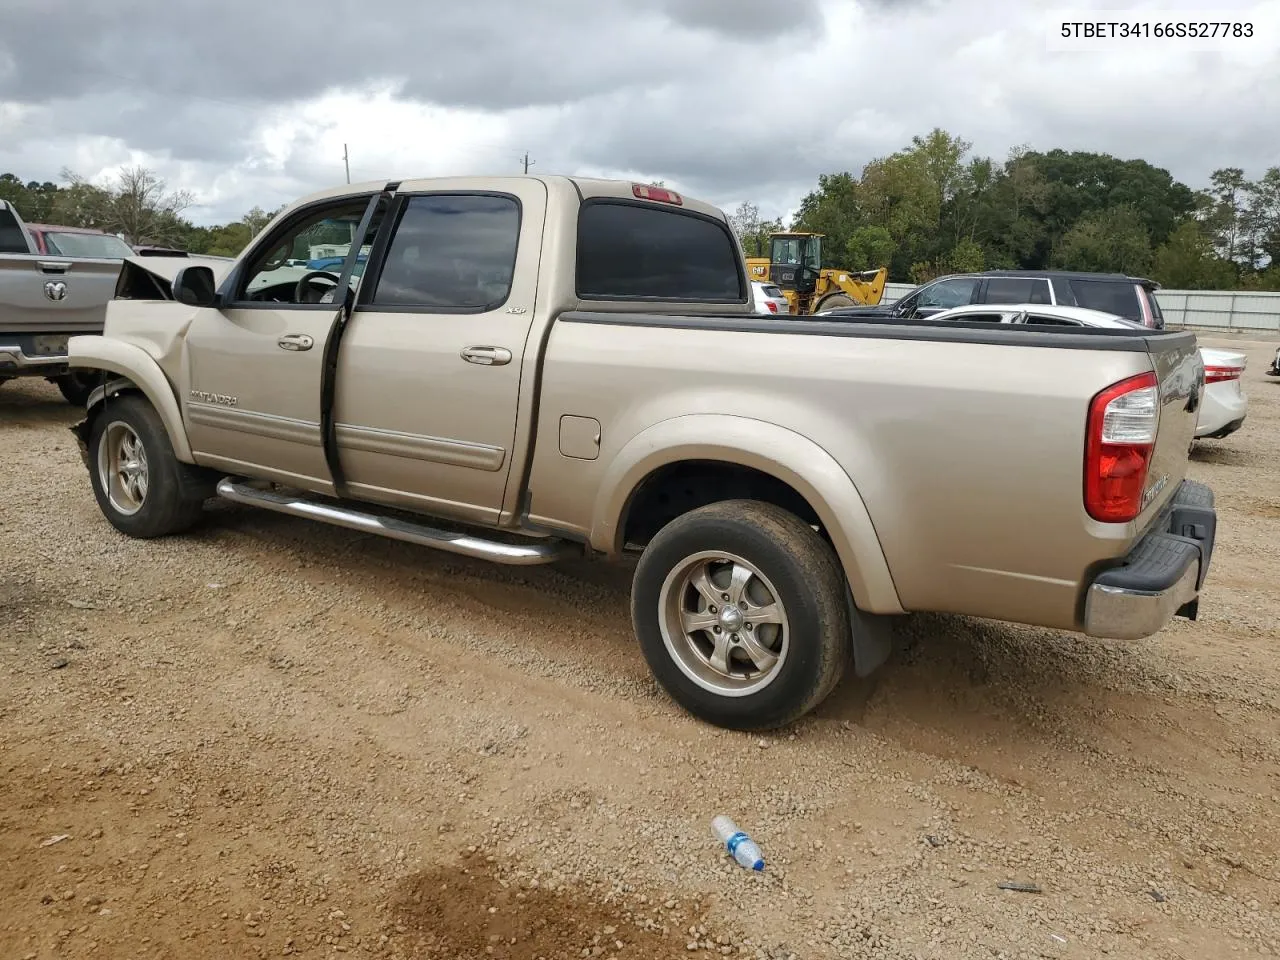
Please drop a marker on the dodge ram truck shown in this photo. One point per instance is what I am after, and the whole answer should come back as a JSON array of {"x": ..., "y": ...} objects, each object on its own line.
[
  {"x": 531, "y": 369},
  {"x": 48, "y": 294},
  {"x": 55, "y": 283}
]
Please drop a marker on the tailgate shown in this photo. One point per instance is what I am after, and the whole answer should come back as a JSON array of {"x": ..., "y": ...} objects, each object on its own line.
[
  {"x": 1180, "y": 373},
  {"x": 54, "y": 294}
]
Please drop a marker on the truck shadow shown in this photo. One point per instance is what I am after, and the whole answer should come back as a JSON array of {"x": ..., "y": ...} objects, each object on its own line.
[
  {"x": 953, "y": 686},
  {"x": 33, "y": 402}
]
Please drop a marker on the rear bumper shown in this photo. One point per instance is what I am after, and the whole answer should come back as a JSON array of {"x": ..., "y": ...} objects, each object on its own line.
[
  {"x": 1222, "y": 410},
  {"x": 1161, "y": 576},
  {"x": 20, "y": 355}
]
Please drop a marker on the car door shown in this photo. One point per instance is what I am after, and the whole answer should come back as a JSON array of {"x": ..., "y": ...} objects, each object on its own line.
[
  {"x": 430, "y": 365},
  {"x": 256, "y": 359}
]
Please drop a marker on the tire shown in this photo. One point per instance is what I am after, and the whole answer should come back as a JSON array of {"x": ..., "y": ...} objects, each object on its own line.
[
  {"x": 167, "y": 503},
  {"x": 787, "y": 560},
  {"x": 76, "y": 387},
  {"x": 834, "y": 301}
]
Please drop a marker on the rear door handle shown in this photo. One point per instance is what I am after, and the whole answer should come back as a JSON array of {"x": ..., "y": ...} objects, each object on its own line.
[
  {"x": 53, "y": 266},
  {"x": 295, "y": 341},
  {"x": 488, "y": 356}
]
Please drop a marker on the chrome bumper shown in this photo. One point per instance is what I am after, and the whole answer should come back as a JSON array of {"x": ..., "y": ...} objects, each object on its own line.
[
  {"x": 1162, "y": 575},
  {"x": 12, "y": 355}
]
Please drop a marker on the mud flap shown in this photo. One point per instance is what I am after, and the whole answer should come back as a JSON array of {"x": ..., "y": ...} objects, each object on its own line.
[{"x": 872, "y": 637}]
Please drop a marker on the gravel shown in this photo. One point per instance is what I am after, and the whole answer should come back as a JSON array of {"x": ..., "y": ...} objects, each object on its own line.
[{"x": 273, "y": 738}]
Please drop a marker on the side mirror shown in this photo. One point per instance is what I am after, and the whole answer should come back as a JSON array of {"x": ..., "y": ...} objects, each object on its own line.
[{"x": 194, "y": 286}]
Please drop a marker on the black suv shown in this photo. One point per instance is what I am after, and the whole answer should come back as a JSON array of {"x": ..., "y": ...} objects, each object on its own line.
[{"x": 1130, "y": 297}]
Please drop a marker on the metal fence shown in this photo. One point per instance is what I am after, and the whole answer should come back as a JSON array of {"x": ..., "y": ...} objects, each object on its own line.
[{"x": 1198, "y": 309}]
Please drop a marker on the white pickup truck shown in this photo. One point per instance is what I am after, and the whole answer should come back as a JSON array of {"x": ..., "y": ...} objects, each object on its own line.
[{"x": 530, "y": 368}]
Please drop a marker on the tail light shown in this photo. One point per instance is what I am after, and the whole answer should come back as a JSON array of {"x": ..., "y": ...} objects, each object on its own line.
[
  {"x": 1221, "y": 374},
  {"x": 1119, "y": 440},
  {"x": 773, "y": 307}
]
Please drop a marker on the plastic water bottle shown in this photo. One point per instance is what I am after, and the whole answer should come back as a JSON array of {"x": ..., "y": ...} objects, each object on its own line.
[{"x": 741, "y": 847}]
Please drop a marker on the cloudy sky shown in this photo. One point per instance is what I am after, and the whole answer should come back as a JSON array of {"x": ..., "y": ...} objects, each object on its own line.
[{"x": 248, "y": 102}]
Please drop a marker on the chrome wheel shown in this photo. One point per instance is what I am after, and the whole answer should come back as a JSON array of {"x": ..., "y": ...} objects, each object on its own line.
[
  {"x": 723, "y": 624},
  {"x": 122, "y": 468}
]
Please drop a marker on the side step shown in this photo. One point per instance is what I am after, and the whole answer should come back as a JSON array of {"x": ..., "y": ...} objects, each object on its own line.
[{"x": 513, "y": 554}]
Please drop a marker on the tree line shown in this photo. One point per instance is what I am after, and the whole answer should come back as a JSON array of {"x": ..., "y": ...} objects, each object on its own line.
[
  {"x": 933, "y": 208},
  {"x": 928, "y": 209},
  {"x": 136, "y": 204}
]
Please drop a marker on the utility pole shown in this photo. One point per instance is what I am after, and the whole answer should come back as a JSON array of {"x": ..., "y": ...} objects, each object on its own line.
[
  {"x": 346, "y": 162},
  {"x": 527, "y": 162}
]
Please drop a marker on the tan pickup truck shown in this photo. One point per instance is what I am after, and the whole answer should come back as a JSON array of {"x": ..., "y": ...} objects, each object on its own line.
[{"x": 534, "y": 368}]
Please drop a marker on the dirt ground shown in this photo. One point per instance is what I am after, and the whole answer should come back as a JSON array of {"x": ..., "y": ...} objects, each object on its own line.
[{"x": 274, "y": 738}]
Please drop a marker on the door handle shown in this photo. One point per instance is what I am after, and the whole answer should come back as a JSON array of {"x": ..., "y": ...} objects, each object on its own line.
[
  {"x": 488, "y": 356},
  {"x": 295, "y": 341}
]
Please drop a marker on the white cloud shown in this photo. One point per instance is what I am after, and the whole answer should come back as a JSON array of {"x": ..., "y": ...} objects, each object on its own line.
[{"x": 716, "y": 102}]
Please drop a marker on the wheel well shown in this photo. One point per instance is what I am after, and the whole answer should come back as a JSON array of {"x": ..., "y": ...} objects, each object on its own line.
[{"x": 677, "y": 488}]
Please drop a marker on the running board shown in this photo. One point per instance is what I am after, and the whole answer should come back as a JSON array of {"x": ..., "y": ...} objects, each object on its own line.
[{"x": 513, "y": 554}]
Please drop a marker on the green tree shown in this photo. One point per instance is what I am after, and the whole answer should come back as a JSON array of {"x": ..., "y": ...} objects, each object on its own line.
[
  {"x": 1187, "y": 261},
  {"x": 869, "y": 248},
  {"x": 1115, "y": 239}
]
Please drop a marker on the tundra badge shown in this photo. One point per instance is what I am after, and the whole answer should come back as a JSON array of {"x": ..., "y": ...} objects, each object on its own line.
[{"x": 220, "y": 398}]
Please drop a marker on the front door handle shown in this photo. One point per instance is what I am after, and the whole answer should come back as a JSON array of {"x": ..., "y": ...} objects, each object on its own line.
[
  {"x": 488, "y": 356},
  {"x": 295, "y": 341}
]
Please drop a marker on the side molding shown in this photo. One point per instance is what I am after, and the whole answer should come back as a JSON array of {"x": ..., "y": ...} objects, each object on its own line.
[
  {"x": 774, "y": 450},
  {"x": 135, "y": 365}
]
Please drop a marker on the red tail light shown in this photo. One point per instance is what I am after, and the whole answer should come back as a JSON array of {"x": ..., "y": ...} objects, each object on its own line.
[
  {"x": 1221, "y": 374},
  {"x": 1119, "y": 440},
  {"x": 646, "y": 192},
  {"x": 773, "y": 307}
]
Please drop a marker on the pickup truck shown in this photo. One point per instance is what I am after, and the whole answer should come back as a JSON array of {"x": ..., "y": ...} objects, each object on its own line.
[
  {"x": 530, "y": 369},
  {"x": 54, "y": 283}
]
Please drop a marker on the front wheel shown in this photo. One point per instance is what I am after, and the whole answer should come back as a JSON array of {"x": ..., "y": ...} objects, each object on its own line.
[
  {"x": 137, "y": 479},
  {"x": 76, "y": 387},
  {"x": 835, "y": 301},
  {"x": 739, "y": 609}
]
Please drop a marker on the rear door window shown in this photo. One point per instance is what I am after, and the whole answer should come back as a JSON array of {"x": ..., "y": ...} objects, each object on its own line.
[
  {"x": 1016, "y": 290},
  {"x": 451, "y": 253},
  {"x": 633, "y": 251}
]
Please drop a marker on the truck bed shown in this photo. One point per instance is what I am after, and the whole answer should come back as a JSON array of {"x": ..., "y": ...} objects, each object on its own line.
[{"x": 965, "y": 441}]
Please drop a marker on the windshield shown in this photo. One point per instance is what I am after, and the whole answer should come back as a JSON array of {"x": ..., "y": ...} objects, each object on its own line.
[{"x": 94, "y": 245}]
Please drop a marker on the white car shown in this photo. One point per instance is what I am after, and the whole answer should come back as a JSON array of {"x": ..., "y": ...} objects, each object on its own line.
[
  {"x": 1223, "y": 408},
  {"x": 769, "y": 298}
]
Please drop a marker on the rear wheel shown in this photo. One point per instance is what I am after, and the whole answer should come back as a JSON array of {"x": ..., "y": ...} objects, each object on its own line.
[
  {"x": 739, "y": 609},
  {"x": 835, "y": 300},
  {"x": 137, "y": 480}
]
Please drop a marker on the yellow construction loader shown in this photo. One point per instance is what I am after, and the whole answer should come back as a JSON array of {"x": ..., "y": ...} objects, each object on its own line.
[{"x": 795, "y": 264}]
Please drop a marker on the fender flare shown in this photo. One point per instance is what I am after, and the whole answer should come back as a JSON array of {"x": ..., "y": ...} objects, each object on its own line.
[
  {"x": 774, "y": 450},
  {"x": 133, "y": 367}
]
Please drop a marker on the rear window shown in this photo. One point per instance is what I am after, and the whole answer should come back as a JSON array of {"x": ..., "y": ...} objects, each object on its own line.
[
  {"x": 629, "y": 251},
  {"x": 89, "y": 245},
  {"x": 1016, "y": 290},
  {"x": 1111, "y": 296},
  {"x": 771, "y": 291}
]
